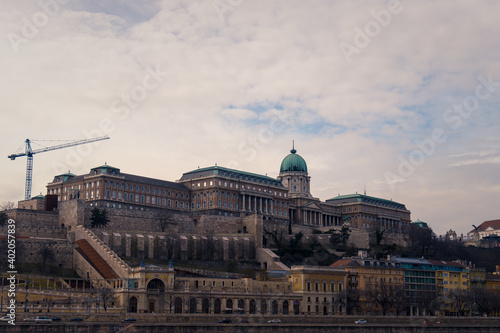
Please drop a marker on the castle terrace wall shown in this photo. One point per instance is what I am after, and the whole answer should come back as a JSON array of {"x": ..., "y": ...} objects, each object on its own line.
[
  {"x": 215, "y": 224},
  {"x": 71, "y": 214},
  {"x": 166, "y": 246},
  {"x": 147, "y": 220},
  {"x": 35, "y": 223},
  {"x": 29, "y": 250}
]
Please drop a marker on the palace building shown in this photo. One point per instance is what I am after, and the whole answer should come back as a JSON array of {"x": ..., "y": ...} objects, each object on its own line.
[{"x": 217, "y": 190}]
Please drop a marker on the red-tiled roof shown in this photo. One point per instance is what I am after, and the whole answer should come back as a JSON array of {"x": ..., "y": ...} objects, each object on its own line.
[
  {"x": 495, "y": 224},
  {"x": 344, "y": 263},
  {"x": 446, "y": 263}
]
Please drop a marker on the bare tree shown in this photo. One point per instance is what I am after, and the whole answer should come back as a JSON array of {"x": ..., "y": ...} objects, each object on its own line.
[
  {"x": 386, "y": 296},
  {"x": 209, "y": 245},
  {"x": 421, "y": 240},
  {"x": 48, "y": 302},
  {"x": 484, "y": 301},
  {"x": 460, "y": 300},
  {"x": 379, "y": 233},
  {"x": 47, "y": 255},
  {"x": 7, "y": 205},
  {"x": 350, "y": 299},
  {"x": 335, "y": 237},
  {"x": 107, "y": 296},
  {"x": 277, "y": 234},
  {"x": 165, "y": 218},
  {"x": 167, "y": 252}
]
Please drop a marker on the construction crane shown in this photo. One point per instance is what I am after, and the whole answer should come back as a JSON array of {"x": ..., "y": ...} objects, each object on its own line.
[{"x": 29, "y": 152}]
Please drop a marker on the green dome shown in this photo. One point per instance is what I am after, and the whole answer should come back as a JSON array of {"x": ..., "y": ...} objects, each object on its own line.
[{"x": 293, "y": 162}]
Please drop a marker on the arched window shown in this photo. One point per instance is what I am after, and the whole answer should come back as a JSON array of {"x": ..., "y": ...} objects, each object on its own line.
[
  {"x": 205, "y": 305},
  {"x": 253, "y": 307},
  {"x": 296, "y": 307},
  {"x": 285, "y": 307},
  {"x": 274, "y": 308},
  {"x": 192, "y": 305},
  {"x": 229, "y": 306},
  {"x": 132, "y": 304},
  {"x": 217, "y": 306},
  {"x": 241, "y": 305},
  {"x": 156, "y": 285},
  {"x": 178, "y": 305},
  {"x": 263, "y": 307}
]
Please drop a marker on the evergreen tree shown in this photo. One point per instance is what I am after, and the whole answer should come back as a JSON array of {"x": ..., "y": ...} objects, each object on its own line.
[{"x": 99, "y": 218}]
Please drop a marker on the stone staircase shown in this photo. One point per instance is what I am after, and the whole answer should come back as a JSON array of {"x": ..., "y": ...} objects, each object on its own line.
[
  {"x": 265, "y": 255},
  {"x": 106, "y": 261},
  {"x": 95, "y": 260}
]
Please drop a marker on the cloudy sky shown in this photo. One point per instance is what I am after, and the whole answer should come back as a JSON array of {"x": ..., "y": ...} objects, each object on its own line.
[{"x": 397, "y": 97}]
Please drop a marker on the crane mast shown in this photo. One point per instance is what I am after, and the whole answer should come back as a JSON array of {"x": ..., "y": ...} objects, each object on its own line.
[{"x": 29, "y": 152}]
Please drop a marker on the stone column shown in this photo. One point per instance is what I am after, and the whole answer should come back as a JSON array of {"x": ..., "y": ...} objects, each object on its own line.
[
  {"x": 246, "y": 249},
  {"x": 225, "y": 248},
  {"x": 162, "y": 243},
  {"x": 195, "y": 248},
  {"x": 243, "y": 196},
  {"x": 117, "y": 243},
  {"x": 151, "y": 246},
  {"x": 140, "y": 245},
  {"x": 237, "y": 248},
  {"x": 105, "y": 238},
  {"x": 128, "y": 245},
  {"x": 260, "y": 205},
  {"x": 184, "y": 248}
]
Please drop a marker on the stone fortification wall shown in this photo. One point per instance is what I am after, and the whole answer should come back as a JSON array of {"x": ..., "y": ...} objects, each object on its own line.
[
  {"x": 166, "y": 246},
  {"x": 71, "y": 214},
  {"x": 197, "y": 237},
  {"x": 225, "y": 225},
  {"x": 150, "y": 220},
  {"x": 29, "y": 250},
  {"x": 35, "y": 223},
  {"x": 397, "y": 239}
]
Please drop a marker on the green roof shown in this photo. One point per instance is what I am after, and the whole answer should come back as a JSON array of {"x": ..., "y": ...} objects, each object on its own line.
[
  {"x": 222, "y": 171},
  {"x": 349, "y": 198},
  {"x": 421, "y": 224},
  {"x": 65, "y": 176},
  {"x": 293, "y": 162},
  {"x": 104, "y": 168}
]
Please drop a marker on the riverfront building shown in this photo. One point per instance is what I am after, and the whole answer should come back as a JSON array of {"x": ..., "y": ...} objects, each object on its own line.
[{"x": 222, "y": 191}]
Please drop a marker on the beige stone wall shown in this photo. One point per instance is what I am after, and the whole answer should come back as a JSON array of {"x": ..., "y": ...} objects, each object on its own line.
[
  {"x": 29, "y": 251},
  {"x": 35, "y": 223}
]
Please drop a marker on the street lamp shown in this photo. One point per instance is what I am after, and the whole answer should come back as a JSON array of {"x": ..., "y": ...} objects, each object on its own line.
[
  {"x": 99, "y": 298},
  {"x": 26, "y": 288}
]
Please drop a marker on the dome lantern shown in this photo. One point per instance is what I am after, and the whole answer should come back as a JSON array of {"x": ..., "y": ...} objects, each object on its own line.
[{"x": 293, "y": 162}]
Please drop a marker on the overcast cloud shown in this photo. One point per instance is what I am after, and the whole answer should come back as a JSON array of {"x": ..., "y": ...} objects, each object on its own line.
[{"x": 369, "y": 90}]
